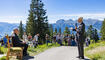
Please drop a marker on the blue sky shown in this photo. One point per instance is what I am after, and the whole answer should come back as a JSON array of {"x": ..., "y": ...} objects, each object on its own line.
[{"x": 13, "y": 11}]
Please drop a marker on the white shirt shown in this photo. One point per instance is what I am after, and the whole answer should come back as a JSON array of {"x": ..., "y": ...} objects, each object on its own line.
[
  {"x": 36, "y": 38},
  {"x": 25, "y": 37},
  {"x": 59, "y": 37}
]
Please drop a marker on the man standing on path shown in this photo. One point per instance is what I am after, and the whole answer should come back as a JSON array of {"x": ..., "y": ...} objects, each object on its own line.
[{"x": 80, "y": 37}]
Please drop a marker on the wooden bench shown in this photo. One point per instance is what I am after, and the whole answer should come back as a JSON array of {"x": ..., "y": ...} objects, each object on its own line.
[{"x": 14, "y": 51}]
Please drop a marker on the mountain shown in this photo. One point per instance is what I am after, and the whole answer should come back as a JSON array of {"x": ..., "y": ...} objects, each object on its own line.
[
  {"x": 71, "y": 23},
  {"x": 7, "y": 28}
]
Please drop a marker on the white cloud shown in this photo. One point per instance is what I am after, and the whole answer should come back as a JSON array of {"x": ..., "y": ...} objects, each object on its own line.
[
  {"x": 54, "y": 18},
  {"x": 13, "y": 19}
]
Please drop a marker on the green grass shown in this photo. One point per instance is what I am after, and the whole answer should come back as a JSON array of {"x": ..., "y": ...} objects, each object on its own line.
[{"x": 96, "y": 51}]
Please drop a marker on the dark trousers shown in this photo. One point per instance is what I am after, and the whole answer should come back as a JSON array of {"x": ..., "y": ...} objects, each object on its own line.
[
  {"x": 59, "y": 42},
  {"x": 47, "y": 41},
  {"x": 81, "y": 50},
  {"x": 35, "y": 44},
  {"x": 25, "y": 46},
  {"x": 65, "y": 42}
]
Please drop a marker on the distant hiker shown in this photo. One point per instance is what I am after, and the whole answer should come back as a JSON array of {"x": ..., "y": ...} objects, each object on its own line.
[
  {"x": 69, "y": 40},
  {"x": 25, "y": 38},
  {"x": 1, "y": 41},
  {"x": 73, "y": 43},
  {"x": 47, "y": 37},
  {"x": 30, "y": 43},
  {"x": 59, "y": 39},
  {"x": 66, "y": 37},
  {"x": 87, "y": 41},
  {"x": 5, "y": 41},
  {"x": 18, "y": 43},
  {"x": 35, "y": 40},
  {"x": 54, "y": 38},
  {"x": 29, "y": 37},
  {"x": 80, "y": 37}
]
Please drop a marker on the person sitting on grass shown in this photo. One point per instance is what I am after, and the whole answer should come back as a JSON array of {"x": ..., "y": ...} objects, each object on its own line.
[{"x": 18, "y": 43}]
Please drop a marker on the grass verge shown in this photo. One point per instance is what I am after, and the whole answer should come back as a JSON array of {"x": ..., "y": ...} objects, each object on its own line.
[{"x": 96, "y": 51}]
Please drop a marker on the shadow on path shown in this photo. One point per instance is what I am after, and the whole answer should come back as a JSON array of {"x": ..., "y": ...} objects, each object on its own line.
[
  {"x": 28, "y": 57},
  {"x": 84, "y": 59}
]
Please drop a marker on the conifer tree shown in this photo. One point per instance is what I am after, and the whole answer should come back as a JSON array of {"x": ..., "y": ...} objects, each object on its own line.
[
  {"x": 96, "y": 37},
  {"x": 60, "y": 30},
  {"x": 37, "y": 20},
  {"x": 51, "y": 31},
  {"x": 67, "y": 31},
  {"x": 103, "y": 30},
  {"x": 55, "y": 32},
  {"x": 21, "y": 30},
  {"x": 90, "y": 32}
]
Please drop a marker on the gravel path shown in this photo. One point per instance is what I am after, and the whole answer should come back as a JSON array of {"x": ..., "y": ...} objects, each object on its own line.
[{"x": 58, "y": 53}]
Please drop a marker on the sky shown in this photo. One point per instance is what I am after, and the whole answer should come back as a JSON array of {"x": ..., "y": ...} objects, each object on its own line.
[{"x": 13, "y": 11}]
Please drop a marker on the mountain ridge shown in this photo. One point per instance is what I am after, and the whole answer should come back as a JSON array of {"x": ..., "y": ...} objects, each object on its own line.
[{"x": 7, "y": 28}]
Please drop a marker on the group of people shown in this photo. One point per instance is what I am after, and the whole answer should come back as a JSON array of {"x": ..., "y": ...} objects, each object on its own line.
[
  {"x": 70, "y": 40},
  {"x": 29, "y": 40}
]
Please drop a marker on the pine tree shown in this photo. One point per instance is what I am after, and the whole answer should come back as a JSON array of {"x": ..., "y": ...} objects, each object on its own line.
[
  {"x": 96, "y": 37},
  {"x": 37, "y": 20},
  {"x": 90, "y": 32},
  {"x": 30, "y": 25},
  {"x": 60, "y": 30},
  {"x": 51, "y": 31},
  {"x": 55, "y": 32},
  {"x": 21, "y": 30},
  {"x": 103, "y": 30},
  {"x": 67, "y": 31}
]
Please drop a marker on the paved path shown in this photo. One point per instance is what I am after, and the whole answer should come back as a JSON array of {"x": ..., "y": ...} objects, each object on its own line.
[{"x": 58, "y": 53}]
